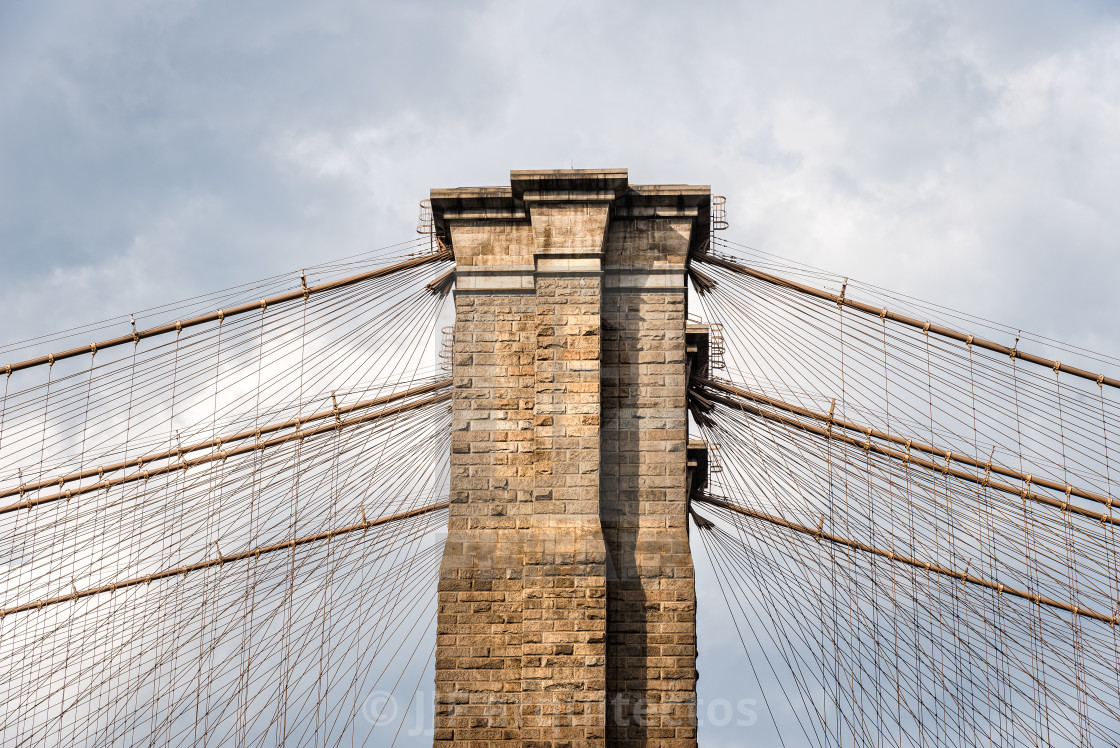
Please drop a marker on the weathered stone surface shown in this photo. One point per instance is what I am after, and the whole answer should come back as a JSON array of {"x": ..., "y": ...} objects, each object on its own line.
[{"x": 566, "y": 599}]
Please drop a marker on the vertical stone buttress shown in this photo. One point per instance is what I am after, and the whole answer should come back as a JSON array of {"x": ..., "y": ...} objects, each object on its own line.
[{"x": 566, "y": 595}]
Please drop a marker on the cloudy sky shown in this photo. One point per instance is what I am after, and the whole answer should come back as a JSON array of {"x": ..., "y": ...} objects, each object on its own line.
[{"x": 962, "y": 152}]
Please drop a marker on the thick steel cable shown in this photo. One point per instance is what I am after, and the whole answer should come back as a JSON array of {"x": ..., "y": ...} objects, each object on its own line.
[
  {"x": 927, "y": 566},
  {"x": 218, "y": 298},
  {"x": 215, "y": 643},
  {"x": 950, "y": 456},
  {"x": 167, "y": 351},
  {"x": 103, "y": 437},
  {"x": 925, "y": 326},
  {"x": 428, "y": 453},
  {"x": 216, "y": 442},
  {"x": 767, "y": 577},
  {"x": 221, "y": 314},
  {"x": 858, "y": 448},
  {"x": 223, "y": 455},
  {"x": 966, "y": 400},
  {"x": 221, "y": 560}
]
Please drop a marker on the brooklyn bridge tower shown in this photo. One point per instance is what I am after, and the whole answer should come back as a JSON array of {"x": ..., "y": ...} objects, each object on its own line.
[{"x": 567, "y": 604}]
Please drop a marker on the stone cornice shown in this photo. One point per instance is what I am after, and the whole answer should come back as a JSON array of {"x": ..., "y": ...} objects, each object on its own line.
[{"x": 527, "y": 187}]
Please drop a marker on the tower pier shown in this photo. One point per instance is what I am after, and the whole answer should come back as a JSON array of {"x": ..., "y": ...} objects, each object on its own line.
[{"x": 567, "y": 606}]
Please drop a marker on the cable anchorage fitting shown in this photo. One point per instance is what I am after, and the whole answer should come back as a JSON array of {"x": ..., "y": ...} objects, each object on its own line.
[
  {"x": 843, "y": 290},
  {"x": 820, "y": 528}
]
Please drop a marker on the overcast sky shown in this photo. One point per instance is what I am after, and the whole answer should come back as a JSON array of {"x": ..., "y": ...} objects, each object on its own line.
[
  {"x": 967, "y": 153},
  {"x": 964, "y": 152}
]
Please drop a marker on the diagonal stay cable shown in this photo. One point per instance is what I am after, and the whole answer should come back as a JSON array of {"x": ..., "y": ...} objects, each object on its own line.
[
  {"x": 893, "y": 557},
  {"x": 139, "y": 462},
  {"x": 184, "y": 464},
  {"x": 910, "y": 444},
  {"x": 925, "y": 326},
  {"x": 219, "y": 315},
  {"x": 867, "y": 445},
  {"x": 221, "y": 560}
]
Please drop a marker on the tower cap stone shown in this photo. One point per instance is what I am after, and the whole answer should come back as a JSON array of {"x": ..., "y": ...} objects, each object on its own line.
[
  {"x": 577, "y": 183},
  {"x": 528, "y": 186}
]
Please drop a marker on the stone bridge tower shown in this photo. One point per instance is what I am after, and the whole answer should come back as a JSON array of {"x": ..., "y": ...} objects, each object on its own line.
[{"x": 567, "y": 604}]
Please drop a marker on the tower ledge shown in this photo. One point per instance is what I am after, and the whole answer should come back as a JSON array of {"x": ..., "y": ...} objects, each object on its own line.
[{"x": 531, "y": 186}]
